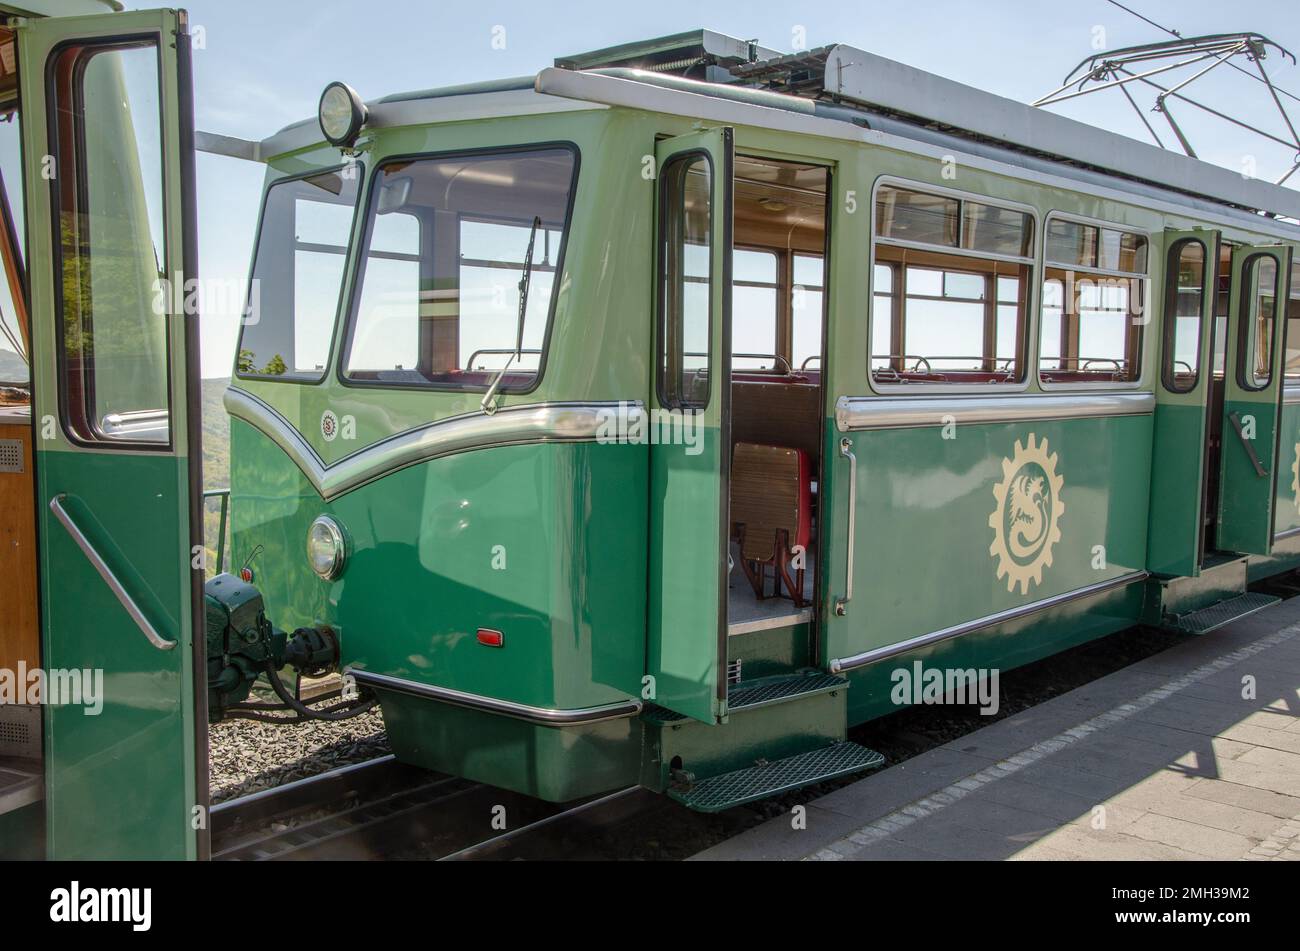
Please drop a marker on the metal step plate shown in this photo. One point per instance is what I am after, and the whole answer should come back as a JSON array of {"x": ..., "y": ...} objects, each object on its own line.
[
  {"x": 771, "y": 779},
  {"x": 1225, "y": 612},
  {"x": 757, "y": 693},
  {"x": 749, "y": 694},
  {"x": 661, "y": 715}
]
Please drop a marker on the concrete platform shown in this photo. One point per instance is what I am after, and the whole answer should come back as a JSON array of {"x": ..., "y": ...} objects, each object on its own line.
[{"x": 1165, "y": 759}]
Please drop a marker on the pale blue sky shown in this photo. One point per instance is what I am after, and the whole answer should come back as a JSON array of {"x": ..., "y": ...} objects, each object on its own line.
[{"x": 265, "y": 64}]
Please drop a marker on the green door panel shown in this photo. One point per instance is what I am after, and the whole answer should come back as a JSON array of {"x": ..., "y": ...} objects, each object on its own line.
[
  {"x": 1252, "y": 402},
  {"x": 119, "y": 783},
  {"x": 125, "y": 772},
  {"x": 686, "y": 635},
  {"x": 1178, "y": 453}
]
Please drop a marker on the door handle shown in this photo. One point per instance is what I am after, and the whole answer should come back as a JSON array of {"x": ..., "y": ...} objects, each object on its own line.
[
  {"x": 846, "y": 450},
  {"x": 1250, "y": 449},
  {"x": 105, "y": 572}
]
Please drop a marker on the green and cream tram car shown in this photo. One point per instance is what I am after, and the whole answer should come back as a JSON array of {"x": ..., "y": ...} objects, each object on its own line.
[{"x": 629, "y": 423}]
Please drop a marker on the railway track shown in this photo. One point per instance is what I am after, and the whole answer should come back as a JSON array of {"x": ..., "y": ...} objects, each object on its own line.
[{"x": 385, "y": 809}]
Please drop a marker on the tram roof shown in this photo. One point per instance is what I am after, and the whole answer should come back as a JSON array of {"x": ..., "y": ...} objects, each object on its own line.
[
  {"x": 60, "y": 8},
  {"x": 837, "y": 87}
]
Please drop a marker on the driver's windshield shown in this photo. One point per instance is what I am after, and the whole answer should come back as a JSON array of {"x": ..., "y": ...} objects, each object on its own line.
[{"x": 438, "y": 297}]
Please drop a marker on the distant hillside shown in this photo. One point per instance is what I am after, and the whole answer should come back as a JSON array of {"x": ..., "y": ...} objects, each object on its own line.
[
  {"x": 216, "y": 435},
  {"x": 216, "y": 460},
  {"x": 13, "y": 368}
]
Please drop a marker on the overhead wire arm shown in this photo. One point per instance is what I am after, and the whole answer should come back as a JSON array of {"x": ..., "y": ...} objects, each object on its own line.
[{"x": 1131, "y": 66}]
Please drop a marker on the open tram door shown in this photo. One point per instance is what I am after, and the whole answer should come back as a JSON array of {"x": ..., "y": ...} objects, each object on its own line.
[
  {"x": 1251, "y": 456},
  {"x": 1180, "y": 477},
  {"x": 686, "y": 644},
  {"x": 109, "y": 172}
]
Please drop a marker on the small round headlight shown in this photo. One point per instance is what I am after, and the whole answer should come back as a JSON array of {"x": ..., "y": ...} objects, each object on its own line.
[
  {"x": 327, "y": 547},
  {"x": 341, "y": 114}
]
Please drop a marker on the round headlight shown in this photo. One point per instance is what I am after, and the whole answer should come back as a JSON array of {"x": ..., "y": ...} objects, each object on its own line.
[
  {"x": 327, "y": 547},
  {"x": 341, "y": 114}
]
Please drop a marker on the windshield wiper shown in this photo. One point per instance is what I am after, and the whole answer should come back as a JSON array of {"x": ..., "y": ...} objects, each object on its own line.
[{"x": 489, "y": 401}]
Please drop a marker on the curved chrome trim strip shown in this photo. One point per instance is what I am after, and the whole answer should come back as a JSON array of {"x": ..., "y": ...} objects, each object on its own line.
[
  {"x": 1291, "y": 394},
  {"x": 509, "y": 426},
  {"x": 100, "y": 565},
  {"x": 543, "y": 716},
  {"x": 893, "y": 412},
  {"x": 875, "y": 655}
]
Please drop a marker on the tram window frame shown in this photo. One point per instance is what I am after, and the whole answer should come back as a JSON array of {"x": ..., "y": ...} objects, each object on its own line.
[
  {"x": 358, "y": 170},
  {"x": 354, "y": 282},
  {"x": 1172, "y": 380},
  {"x": 1135, "y": 345},
  {"x": 799, "y": 292},
  {"x": 79, "y": 409},
  {"x": 1291, "y": 336},
  {"x": 670, "y": 355},
  {"x": 777, "y": 288},
  {"x": 1248, "y": 377},
  {"x": 993, "y": 268}
]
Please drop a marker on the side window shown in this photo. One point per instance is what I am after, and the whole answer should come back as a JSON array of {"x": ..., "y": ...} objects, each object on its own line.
[
  {"x": 884, "y": 304},
  {"x": 950, "y": 289},
  {"x": 1292, "y": 365},
  {"x": 806, "y": 299},
  {"x": 754, "y": 289},
  {"x": 1260, "y": 285},
  {"x": 1094, "y": 290},
  {"x": 1184, "y": 307},
  {"x": 457, "y": 281},
  {"x": 684, "y": 280},
  {"x": 293, "y": 297},
  {"x": 108, "y": 202}
]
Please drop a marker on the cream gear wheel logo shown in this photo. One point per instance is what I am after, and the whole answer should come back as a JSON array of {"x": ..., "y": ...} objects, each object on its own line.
[{"x": 1026, "y": 520}]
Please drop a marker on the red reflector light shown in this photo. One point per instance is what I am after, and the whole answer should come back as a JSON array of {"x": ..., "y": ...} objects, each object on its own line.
[
  {"x": 491, "y": 638},
  {"x": 246, "y": 575}
]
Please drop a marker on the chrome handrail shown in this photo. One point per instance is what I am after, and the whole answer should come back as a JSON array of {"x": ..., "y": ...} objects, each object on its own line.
[
  {"x": 846, "y": 450},
  {"x": 774, "y": 357},
  {"x": 105, "y": 572}
]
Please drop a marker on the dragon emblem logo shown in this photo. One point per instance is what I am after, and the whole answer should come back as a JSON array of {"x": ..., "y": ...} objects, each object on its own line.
[
  {"x": 1295, "y": 477},
  {"x": 1026, "y": 520}
]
